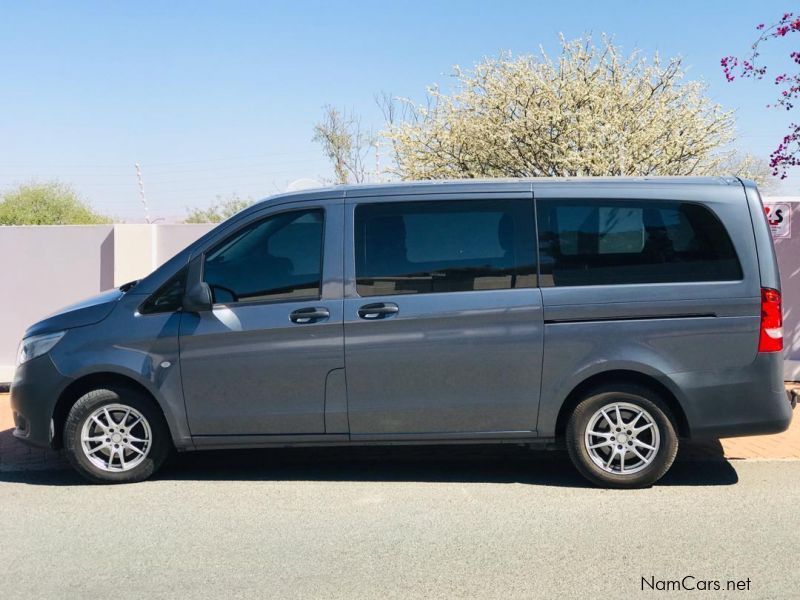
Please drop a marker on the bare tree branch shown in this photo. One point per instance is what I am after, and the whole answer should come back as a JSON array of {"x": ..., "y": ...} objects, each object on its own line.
[{"x": 345, "y": 144}]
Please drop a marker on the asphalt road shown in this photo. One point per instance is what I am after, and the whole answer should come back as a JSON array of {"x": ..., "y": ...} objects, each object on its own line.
[{"x": 398, "y": 524}]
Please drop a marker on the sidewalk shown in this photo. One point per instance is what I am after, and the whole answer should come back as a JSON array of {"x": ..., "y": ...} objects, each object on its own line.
[{"x": 15, "y": 455}]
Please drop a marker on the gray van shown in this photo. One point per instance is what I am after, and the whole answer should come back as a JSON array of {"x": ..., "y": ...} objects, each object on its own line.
[{"x": 613, "y": 315}]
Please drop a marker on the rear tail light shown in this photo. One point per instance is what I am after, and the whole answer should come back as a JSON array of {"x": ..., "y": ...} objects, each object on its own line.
[{"x": 771, "y": 336}]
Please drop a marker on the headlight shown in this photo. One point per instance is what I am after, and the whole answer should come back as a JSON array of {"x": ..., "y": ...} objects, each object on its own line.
[{"x": 36, "y": 345}]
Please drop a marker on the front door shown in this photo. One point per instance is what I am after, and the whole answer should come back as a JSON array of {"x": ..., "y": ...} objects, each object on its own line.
[
  {"x": 257, "y": 363},
  {"x": 443, "y": 318}
]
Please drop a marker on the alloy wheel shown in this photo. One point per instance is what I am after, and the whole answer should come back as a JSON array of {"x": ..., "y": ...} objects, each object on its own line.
[
  {"x": 116, "y": 438},
  {"x": 622, "y": 438}
]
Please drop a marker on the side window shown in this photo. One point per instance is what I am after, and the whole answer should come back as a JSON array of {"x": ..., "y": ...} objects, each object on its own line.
[
  {"x": 444, "y": 246},
  {"x": 585, "y": 242},
  {"x": 168, "y": 298},
  {"x": 279, "y": 258}
]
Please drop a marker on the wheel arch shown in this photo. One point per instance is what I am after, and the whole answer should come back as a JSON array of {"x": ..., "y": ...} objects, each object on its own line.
[
  {"x": 621, "y": 376},
  {"x": 92, "y": 381}
]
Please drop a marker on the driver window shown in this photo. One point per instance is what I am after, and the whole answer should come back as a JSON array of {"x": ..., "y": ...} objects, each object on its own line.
[{"x": 279, "y": 258}]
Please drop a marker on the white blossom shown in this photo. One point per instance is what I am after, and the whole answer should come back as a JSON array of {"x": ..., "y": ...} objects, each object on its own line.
[{"x": 590, "y": 111}]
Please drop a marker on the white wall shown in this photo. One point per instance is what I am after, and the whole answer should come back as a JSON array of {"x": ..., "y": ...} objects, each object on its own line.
[
  {"x": 47, "y": 267},
  {"x": 788, "y": 251}
]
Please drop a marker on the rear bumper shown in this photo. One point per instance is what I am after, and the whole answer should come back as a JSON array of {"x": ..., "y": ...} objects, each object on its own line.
[
  {"x": 34, "y": 393},
  {"x": 742, "y": 402},
  {"x": 776, "y": 421}
]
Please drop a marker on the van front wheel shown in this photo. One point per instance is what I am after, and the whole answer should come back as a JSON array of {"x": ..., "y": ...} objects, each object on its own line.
[
  {"x": 116, "y": 435},
  {"x": 622, "y": 436}
]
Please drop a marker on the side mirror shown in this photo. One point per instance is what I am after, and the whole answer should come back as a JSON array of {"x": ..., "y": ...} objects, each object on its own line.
[{"x": 197, "y": 298}]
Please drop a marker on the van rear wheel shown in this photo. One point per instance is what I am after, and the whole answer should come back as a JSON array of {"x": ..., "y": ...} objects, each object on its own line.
[
  {"x": 116, "y": 435},
  {"x": 622, "y": 436}
]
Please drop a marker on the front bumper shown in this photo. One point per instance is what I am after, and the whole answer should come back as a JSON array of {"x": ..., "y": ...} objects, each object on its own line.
[{"x": 34, "y": 393}]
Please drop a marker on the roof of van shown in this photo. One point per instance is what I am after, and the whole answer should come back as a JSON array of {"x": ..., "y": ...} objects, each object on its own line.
[
  {"x": 456, "y": 185},
  {"x": 684, "y": 185}
]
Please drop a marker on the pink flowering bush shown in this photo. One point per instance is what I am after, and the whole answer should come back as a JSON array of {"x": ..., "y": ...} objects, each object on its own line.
[{"x": 787, "y": 154}]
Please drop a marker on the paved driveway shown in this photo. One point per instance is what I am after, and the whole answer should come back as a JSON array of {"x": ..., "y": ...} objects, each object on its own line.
[
  {"x": 308, "y": 524},
  {"x": 400, "y": 522}
]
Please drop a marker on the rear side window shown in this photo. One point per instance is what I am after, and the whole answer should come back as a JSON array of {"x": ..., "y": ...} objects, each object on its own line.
[
  {"x": 279, "y": 258},
  {"x": 444, "y": 246},
  {"x": 602, "y": 242}
]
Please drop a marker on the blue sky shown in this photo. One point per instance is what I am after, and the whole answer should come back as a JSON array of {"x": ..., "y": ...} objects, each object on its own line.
[{"x": 215, "y": 98}]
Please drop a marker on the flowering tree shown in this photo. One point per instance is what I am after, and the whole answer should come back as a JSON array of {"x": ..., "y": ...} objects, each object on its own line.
[
  {"x": 591, "y": 111},
  {"x": 787, "y": 154}
]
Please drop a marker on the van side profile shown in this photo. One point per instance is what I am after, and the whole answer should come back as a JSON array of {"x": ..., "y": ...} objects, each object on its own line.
[{"x": 615, "y": 315}]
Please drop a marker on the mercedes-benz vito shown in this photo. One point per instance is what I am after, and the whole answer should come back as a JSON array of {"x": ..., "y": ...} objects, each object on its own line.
[{"x": 613, "y": 315}]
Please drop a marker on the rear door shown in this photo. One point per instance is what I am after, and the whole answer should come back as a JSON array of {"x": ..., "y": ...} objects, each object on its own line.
[
  {"x": 443, "y": 319},
  {"x": 654, "y": 277}
]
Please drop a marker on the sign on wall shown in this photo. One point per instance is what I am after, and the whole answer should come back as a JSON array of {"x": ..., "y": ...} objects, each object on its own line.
[{"x": 780, "y": 219}]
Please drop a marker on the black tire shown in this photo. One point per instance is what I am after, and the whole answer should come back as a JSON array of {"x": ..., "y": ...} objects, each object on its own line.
[
  {"x": 157, "y": 450},
  {"x": 643, "y": 398}
]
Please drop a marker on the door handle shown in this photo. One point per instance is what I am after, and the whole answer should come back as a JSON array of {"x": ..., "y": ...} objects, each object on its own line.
[
  {"x": 309, "y": 315},
  {"x": 379, "y": 310}
]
